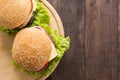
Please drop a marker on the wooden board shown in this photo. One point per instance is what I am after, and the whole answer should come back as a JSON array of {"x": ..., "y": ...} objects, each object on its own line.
[
  {"x": 7, "y": 70},
  {"x": 101, "y": 40}
]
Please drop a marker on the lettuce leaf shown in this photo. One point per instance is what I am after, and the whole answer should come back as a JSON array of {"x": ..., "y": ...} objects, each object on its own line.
[
  {"x": 41, "y": 15},
  {"x": 9, "y": 31},
  {"x": 42, "y": 19}
]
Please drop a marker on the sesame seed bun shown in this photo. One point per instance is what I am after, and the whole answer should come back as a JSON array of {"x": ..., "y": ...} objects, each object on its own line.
[
  {"x": 31, "y": 48},
  {"x": 15, "y": 13}
]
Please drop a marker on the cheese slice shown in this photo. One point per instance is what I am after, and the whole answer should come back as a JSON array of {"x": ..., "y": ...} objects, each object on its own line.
[
  {"x": 53, "y": 52},
  {"x": 34, "y": 5}
]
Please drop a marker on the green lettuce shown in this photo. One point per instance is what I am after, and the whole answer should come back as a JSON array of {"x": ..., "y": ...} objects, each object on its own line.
[
  {"x": 42, "y": 19},
  {"x": 9, "y": 31}
]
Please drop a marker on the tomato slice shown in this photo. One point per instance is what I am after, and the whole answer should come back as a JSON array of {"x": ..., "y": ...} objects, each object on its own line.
[
  {"x": 45, "y": 66},
  {"x": 31, "y": 6}
]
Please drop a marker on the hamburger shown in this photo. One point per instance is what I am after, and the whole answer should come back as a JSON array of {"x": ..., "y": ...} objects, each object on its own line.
[
  {"x": 16, "y": 13},
  {"x": 37, "y": 48},
  {"x": 33, "y": 49}
]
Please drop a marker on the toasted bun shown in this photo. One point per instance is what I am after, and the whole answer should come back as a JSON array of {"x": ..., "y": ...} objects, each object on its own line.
[
  {"x": 31, "y": 49},
  {"x": 14, "y": 13}
]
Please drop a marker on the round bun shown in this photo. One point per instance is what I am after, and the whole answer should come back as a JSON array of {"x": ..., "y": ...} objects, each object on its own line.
[
  {"x": 31, "y": 49},
  {"x": 14, "y": 13}
]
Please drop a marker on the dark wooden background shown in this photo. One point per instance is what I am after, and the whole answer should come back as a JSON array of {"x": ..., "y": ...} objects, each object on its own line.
[{"x": 93, "y": 26}]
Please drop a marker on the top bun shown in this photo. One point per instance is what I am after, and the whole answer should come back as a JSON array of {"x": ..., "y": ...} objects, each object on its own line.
[
  {"x": 14, "y": 13},
  {"x": 31, "y": 49}
]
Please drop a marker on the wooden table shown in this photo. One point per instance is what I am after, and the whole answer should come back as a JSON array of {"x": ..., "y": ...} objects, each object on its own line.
[{"x": 94, "y": 28}]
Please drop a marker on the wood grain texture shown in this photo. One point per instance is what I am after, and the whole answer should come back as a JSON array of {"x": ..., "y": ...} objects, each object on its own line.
[
  {"x": 101, "y": 40},
  {"x": 119, "y": 39},
  {"x": 94, "y": 28}
]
